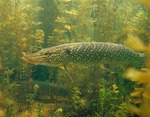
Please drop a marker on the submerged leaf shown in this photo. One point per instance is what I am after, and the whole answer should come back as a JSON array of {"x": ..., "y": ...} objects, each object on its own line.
[
  {"x": 136, "y": 93},
  {"x": 68, "y": 27},
  {"x": 61, "y": 20},
  {"x": 133, "y": 109},
  {"x": 145, "y": 2},
  {"x": 72, "y": 12},
  {"x": 146, "y": 93},
  {"x": 137, "y": 101},
  {"x": 59, "y": 31},
  {"x": 138, "y": 76},
  {"x": 135, "y": 43},
  {"x": 66, "y": 1}
]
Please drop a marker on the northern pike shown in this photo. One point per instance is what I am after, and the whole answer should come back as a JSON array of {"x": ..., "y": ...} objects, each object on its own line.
[{"x": 86, "y": 53}]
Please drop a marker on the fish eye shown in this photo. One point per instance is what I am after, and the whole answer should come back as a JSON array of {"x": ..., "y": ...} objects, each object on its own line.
[{"x": 45, "y": 53}]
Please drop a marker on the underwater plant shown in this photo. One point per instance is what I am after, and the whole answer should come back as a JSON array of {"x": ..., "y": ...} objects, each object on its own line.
[
  {"x": 19, "y": 35},
  {"x": 113, "y": 20},
  {"x": 58, "y": 113},
  {"x": 141, "y": 95},
  {"x": 22, "y": 33},
  {"x": 40, "y": 106},
  {"x": 72, "y": 22},
  {"x": 145, "y": 2},
  {"x": 77, "y": 104}
]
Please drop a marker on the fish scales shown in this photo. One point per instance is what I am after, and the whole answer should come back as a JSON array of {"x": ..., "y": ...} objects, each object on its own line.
[{"x": 86, "y": 53}]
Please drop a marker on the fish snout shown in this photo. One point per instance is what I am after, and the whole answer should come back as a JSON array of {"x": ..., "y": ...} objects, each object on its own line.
[{"x": 28, "y": 59}]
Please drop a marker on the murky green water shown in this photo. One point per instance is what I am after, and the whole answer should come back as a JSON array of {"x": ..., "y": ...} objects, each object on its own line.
[{"x": 97, "y": 86}]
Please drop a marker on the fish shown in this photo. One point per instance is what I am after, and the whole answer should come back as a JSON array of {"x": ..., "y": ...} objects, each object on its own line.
[{"x": 86, "y": 53}]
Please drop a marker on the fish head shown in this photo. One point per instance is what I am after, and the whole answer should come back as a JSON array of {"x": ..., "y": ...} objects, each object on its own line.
[{"x": 54, "y": 56}]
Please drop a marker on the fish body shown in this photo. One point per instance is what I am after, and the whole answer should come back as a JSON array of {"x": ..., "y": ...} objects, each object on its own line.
[{"x": 86, "y": 53}]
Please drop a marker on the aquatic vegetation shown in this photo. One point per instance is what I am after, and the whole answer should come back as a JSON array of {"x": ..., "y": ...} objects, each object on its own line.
[
  {"x": 58, "y": 113},
  {"x": 19, "y": 34},
  {"x": 103, "y": 19},
  {"x": 25, "y": 28},
  {"x": 141, "y": 95},
  {"x": 122, "y": 110},
  {"x": 61, "y": 20},
  {"x": 7, "y": 100},
  {"x": 113, "y": 25},
  {"x": 77, "y": 104},
  {"x": 102, "y": 96},
  {"x": 40, "y": 106},
  {"x": 108, "y": 99},
  {"x": 72, "y": 23},
  {"x": 138, "y": 44},
  {"x": 145, "y": 2},
  {"x": 72, "y": 12},
  {"x": 19, "y": 26}
]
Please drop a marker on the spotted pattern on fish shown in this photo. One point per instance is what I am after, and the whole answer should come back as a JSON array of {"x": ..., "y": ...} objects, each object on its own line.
[{"x": 86, "y": 53}]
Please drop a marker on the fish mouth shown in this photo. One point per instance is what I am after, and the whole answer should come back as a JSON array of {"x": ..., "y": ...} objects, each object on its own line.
[{"x": 27, "y": 59}]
